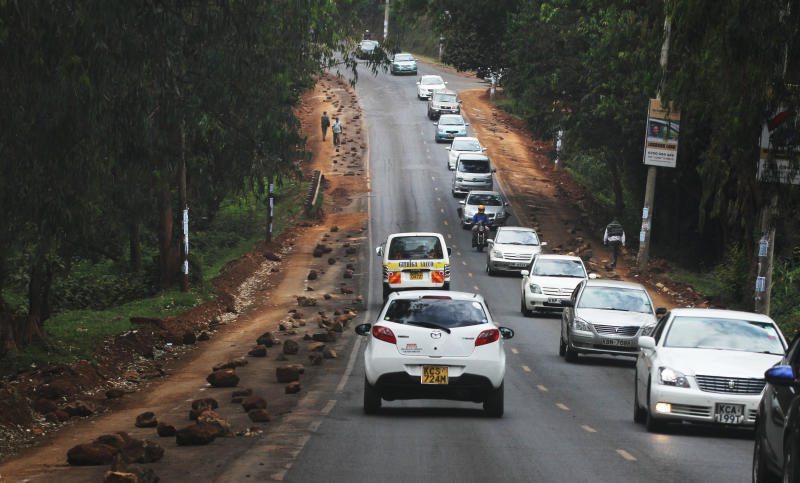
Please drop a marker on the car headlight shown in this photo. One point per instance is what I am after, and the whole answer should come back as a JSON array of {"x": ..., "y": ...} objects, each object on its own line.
[
  {"x": 670, "y": 377},
  {"x": 535, "y": 288},
  {"x": 497, "y": 254},
  {"x": 648, "y": 329},
  {"x": 580, "y": 324}
]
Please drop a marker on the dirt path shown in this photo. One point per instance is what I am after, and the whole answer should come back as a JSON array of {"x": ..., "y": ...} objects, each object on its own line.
[{"x": 266, "y": 298}]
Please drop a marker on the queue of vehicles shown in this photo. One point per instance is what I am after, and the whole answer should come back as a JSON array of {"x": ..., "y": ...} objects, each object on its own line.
[{"x": 691, "y": 365}]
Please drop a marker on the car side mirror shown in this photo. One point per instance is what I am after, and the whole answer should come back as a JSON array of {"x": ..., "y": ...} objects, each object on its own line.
[
  {"x": 494, "y": 170},
  {"x": 462, "y": 202},
  {"x": 466, "y": 124},
  {"x": 567, "y": 303},
  {"x": 544, "y": 244},
  {"x": 379, "y": 251},
  {"x": 490, "y": 243},
  {"x": 647, "y": 342},
  {"x": 661, "y": 311},
  {"x": 435, "y": 123},
  {"x": 460, "y": 101},
  {"x": 417, "y": 83},
  {"x": 780, "y": 376},
  {"x": 484, "y": 149},
  {"x": 524, "y": 273},
  {"x": 506, "y": 333},
  {"x": 445, "y": 82},
  {"x": 363, "y": 329},
  {"x": 592, "y": 276},
  {"x": 448, "y": 148},
  {"x": 449, "y": 251}
]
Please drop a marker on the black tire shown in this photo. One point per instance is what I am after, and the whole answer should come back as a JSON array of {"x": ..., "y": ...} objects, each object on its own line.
[
  {"x": 523, "y": 308},
  {"x": 639, "y": 414},
  {"x": 386, "y": 292},
  {"x": 791, "y": 469},
  {"x": 761, "y": 472},
  {"x": 570, "y": 354},
  {"x": 562, "y": 347},
  {"x": 489, "y": 271},
  {"x": 652, "y": 424},
  {"x": 446, "y": 286},
  {"x": 372, "y": 398},
  {"x": 493, "y": 404}
]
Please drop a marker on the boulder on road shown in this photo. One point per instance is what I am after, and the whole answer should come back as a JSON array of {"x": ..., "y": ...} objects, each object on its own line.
[
  {"x": 205, "y": 403},
  {"x": 196, "y": 434},
  {"x": 79, "y": 408},
  {"x": 258, "y": 351},
  {"x": 146, "y": 420},
  {"x": 231, "y": 364},
  {"x": 316, "y": 347},
  {"x": 142, "y": 451},
  {"x": 115, "y": 440},
  {"x": 259, "y": 415},
  {"x": 306, "y": 301},
  {"x": 212, "y": 418},
  {"x": 114, "y": 393},
  {"x": 91, "y": 454},
  {"x": 287, "y": 374},
  {"x": 253, "y": 402},
  {"x": 292, "y": 387},
  {"x": 315, "y": 358},
  {"x": 165, "y": 429},
  {"x": 329, "y": 354},
  {"x": 290, "y": 347},
  {"x": 223, "y": 378},
  {"x": 268, "y": 339}
]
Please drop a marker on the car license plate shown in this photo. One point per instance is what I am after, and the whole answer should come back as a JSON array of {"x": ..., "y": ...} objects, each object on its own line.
[
  {"x": 553, "y": 300},
  {"x": 415, "y": 275},
  {"x": 434, "y": 374},
  {"x": 617, "y": 342},
  {"x": 729, "y": 413},
  {"x": 519, "y": 265}
]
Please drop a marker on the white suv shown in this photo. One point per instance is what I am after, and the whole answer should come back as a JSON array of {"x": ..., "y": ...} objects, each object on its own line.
[
  {"x": 435, "y": 345},
  {"x": 548, "y": 280}
]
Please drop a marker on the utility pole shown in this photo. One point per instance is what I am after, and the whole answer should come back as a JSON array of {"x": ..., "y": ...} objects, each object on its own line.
[
  {"x": 766, "y": 250},
  {"x": 270, "y": 206},
  {"x": 183, "y": 203},
  {"x": 386, "y": 21},
  {"x": 650, "y": 186}
]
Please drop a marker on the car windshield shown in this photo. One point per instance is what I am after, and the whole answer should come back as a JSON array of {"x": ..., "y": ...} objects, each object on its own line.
[
  {"x": 615, "y": 298},
  {"x": 403, "y": 57},
  {"x": 484, "y": 199},
  {"x": 558, "y": 268},
  {"x": 466, "y": 145},
  {"x": 445, "y": 98},
  {"x": 442, "y": 312},
  {"x": 429, "y": 81},
  {"x": 367, "y": 44},
  {"x": 451, "y": 120},
  {"x": 516, "y": 237},
  {"x": 474, "y": 166},
  {"x": 415, "y": 248},
  {"x": 724, "y": 334}
]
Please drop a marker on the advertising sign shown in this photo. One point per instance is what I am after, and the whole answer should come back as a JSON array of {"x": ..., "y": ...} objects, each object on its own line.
[
  {"x": 661, "y": 138},
  {"x": 777, "y": 161}
]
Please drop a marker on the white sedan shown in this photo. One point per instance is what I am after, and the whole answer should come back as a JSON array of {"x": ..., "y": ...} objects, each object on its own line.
[
  {"x": 549, "y": 280},
  {"x": 429, "y": 83},
  {"x": 462, "y": 144},
  {"x": 430, "y": 345},
  {"x": 705, "y": 365}
]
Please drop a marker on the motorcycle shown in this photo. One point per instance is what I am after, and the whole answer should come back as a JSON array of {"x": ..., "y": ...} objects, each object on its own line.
[{"x": 481, "y": 232}]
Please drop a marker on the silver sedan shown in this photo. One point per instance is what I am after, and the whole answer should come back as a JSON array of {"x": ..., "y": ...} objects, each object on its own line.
[{"x": 512, "y": 249}]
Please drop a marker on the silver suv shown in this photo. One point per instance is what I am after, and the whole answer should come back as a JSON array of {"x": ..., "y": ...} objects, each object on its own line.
[
  {"x": 473, "y": 172},
  {"x": 443, "y": 102}
]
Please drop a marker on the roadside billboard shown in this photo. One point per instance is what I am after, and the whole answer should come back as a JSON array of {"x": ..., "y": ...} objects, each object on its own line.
[
  {"x": 661, "y": 138},
  {"x": 778, "y": 158}
]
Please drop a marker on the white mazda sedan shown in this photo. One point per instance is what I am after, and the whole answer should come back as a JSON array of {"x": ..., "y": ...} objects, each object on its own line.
[
  {"x": 705, "y": 365},
  {"x": 432, "y": 345}
]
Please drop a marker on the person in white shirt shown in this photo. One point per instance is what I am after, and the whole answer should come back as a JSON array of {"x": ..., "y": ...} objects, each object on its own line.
[
  {"x": 614, "y": 237},
  {"x": 337, "y": 131}
]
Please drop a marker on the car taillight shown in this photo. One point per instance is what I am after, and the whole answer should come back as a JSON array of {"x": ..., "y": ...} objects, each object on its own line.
[
  {"x": 383, "y": 333},
  {"x": 486, "y": 337}
]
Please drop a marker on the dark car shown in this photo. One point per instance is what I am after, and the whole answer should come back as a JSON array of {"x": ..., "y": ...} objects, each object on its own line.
[{"x": 777, "y": 447}]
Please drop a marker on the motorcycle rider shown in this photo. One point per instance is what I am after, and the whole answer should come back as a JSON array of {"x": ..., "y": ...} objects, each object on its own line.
[{"x": 477, "y": 219}]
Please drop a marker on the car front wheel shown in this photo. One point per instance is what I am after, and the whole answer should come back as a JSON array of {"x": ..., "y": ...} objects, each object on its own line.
[
  {"x": 493, "y": 405},
  {"x": 372, "y": 398},
  {"x": 570, "y": 354},
  {"x": 761, "y": 473},
  {"x": 639, "y": 414},
  {"x": 653, "y": 425}
]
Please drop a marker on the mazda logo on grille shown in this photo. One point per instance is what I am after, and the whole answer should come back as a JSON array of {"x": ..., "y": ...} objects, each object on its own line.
[
  {"x": 436, "y": 335},
  {"x": 731, "y": 384}
]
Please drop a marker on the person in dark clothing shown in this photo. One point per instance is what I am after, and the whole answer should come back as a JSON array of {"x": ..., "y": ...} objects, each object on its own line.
[
  {"x": 325, "y": 122},
  {"x": 614, "y": 237}
]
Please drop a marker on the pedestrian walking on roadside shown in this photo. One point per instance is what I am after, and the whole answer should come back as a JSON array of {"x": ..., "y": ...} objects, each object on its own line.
[
  {"x": 337, "y": 131},
  {"x": 326, "y": 122},
  {"x": 614, "y": 237}
]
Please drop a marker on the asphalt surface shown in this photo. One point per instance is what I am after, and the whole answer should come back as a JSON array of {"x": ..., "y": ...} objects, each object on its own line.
[{"x": 563, "y": 422}]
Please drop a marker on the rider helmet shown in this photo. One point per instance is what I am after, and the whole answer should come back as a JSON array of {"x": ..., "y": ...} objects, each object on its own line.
[{"x": 481, "y": 209}]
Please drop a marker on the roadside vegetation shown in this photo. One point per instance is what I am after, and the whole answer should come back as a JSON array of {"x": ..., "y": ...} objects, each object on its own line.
[{"x": 589, "y": 69}]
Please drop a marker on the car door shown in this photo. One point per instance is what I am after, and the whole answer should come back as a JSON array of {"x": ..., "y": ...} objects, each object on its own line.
[
  {"x": 781, "y": 402},
  {"x": 644, "y": 360}
]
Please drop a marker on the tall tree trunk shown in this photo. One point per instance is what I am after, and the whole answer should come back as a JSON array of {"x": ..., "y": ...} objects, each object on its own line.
[
  {"x": 135, "y": 246},
  {"x": 8, "y": 343},
  {"x": 166, "y": 264},
  {"x": 38, "y": 292},
  {"x": 619, "y": 202}
]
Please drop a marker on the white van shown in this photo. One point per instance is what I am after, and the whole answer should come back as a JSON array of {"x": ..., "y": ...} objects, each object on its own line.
[{"x": 414, "y": 261}]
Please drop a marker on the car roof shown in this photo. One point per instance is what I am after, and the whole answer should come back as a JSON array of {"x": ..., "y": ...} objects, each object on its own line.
[
  {"x": 472, "y": 156},
  {"x": 465, "y": 138},
  {"x": 516, "y": 228},
  {"x": 721, "y": 314},
  {"x": 614, "y": 283},
  {"x": 476, "y": 192},
  {"x": 553, "y": 256},
  {"x": 431, "y": 75},
  {"x": 414, "y": 294},
  {"x": 414, "y": 233},
  {"x": 445, "y": 91},
  {"x": 451, "y": 116}
]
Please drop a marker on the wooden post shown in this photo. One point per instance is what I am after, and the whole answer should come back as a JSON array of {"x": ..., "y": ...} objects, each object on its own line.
[
  {"x": 183, "y": 203},
  {"x": 766, "y": 251}
]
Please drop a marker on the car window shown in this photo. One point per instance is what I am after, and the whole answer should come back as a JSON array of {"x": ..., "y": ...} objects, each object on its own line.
[
  {"x": 574, "y": 295},
  {"x": 403, "y": 57},
  {"x": 429, "y": 81},
  {"x": 466, "y": 145},
  {"x": 516, "y": 237},
  {"x": 415, "y": 248},
  {"x": 615, "y": 298},
  {"x": 660, "y": 327},
  {"x": 474, "y": 166},
  {"x": 558, "y": 268},
  {"x": 724, "y": 334},
  {"x": 793, "y": 353},
  {"x": 442, "y": 312},
  {"x": 451, "y": 120},
  {"x": 444, "y": 98},
  {"x": 484, "y": 199}
]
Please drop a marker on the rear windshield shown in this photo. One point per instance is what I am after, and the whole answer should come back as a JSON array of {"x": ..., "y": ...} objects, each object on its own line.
[
  {"x": 487, "y": 199},
  {"x": 444, "y": 97},
  {"x": 474, "y": 166},
  {"x": 415, "y": 248},
  {"x": 441, "y": 312},
  {"x": 428, "y": 81},
  {"x": 466, "y": 145},
  {"x": 559, "y": 268},
  {"x": 403, "y": 57},
  {"x": 451, "y": 120}
]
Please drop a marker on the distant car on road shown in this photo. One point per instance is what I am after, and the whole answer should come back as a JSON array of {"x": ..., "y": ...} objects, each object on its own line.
[
  {"x": 512, "y": 249},
  {"x": 403, "y": 64},
  {"x": 605, "y": 317},
  {"x": 414, "y": 261},
  {"x": 473, "y": 172},
  {"x": 493, "y": 202},
  {"x": 443, "y": 102},
  {"x": 365, "y": 48},
  {"x": 435, "y": 345},
  {"x": 777, "y": 445},
  {"x": 548, "y": 280},
  {"x": 462, "y": 144},
  {"x": 705, "y": 365},
  {"x": 429, "y": 83},
  {"x": 448, "y": 127}
]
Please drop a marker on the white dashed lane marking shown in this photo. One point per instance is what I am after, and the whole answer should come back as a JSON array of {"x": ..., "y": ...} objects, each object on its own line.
[
  {"x": 588, "y": 428},
  {"x": 562, "y": 406},
  {"x": 526, "y": 368},
  {"x": 626, "y": 455},
  {"x": 542, "y": 388}
]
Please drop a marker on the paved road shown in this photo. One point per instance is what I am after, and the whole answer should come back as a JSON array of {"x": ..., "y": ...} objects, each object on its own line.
[{"x": 563, "y": 422}]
